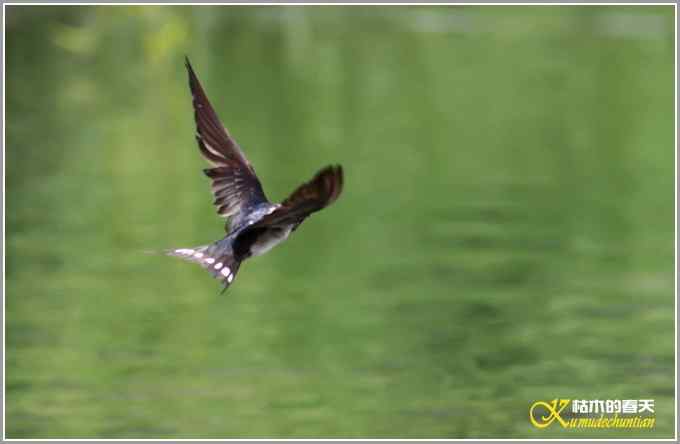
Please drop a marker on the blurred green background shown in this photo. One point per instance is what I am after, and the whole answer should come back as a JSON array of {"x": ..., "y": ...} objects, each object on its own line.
[{"x": 506, "y": 234}]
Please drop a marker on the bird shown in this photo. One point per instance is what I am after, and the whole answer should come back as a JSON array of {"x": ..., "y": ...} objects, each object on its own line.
[{"x": 254, "y": 225}]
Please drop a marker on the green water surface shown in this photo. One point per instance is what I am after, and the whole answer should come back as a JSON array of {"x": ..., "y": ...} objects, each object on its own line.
[{"x": 506, "y": 232}]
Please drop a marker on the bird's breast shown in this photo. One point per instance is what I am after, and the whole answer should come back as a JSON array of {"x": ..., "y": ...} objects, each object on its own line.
[{"x": 268, "y": 239}]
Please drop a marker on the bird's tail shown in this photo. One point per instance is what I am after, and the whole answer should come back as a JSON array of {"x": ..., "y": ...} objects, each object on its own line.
[{"x": 219, "y": 261}]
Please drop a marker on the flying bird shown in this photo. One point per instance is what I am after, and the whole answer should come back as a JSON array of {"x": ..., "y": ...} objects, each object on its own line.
[{"x": 254, "y": 225}]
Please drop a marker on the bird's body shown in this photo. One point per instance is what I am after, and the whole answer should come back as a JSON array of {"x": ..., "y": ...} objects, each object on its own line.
[{"x": 255, "y": 225}]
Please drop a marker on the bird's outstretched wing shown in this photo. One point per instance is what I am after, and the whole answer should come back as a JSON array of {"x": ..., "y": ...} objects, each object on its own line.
[
  {"x": 234, "y": 183},
  {"x": 308, "y": 198}
]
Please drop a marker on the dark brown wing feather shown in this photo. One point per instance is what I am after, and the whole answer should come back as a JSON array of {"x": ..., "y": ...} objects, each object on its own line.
[
  {"x": 318, "y": 193},
  {"x": 234, "y": 183}
]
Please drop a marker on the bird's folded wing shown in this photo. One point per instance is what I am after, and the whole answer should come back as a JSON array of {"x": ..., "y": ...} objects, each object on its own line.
[
  {"x": 308, "y": 198},
  {"x": 234, "y": 183}
]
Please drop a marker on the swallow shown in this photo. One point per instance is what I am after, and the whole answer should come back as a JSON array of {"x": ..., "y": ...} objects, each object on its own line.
[{"x": 254, "y": 225}]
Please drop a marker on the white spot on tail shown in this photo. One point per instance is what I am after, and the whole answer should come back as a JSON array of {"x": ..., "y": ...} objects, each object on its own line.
[
  {"x": 218, "y": 265},
  {"x": 230, "y": 278},
  {"x": 209, "y": 260},
  {"x": 198, "y": 255},
  {"x": 225, "y": 271},
  {"x": 184, "y": 251}
]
